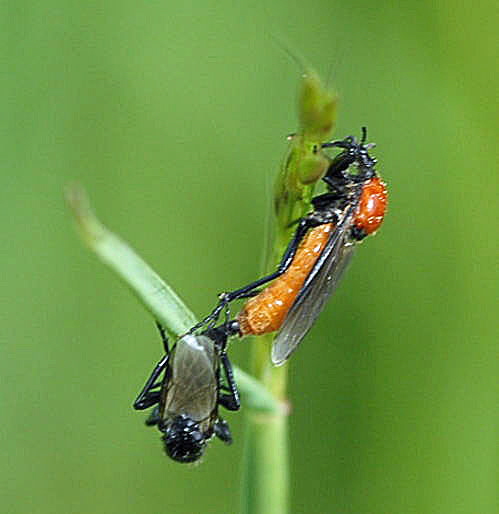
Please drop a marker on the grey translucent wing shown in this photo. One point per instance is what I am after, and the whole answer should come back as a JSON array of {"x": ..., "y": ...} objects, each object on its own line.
[
  {"x": 193, "y": 387},
  {"x": 316, "y": 290}
]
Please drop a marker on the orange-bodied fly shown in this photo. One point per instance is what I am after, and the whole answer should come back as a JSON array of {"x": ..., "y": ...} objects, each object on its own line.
[{"x": 352, "y": 208}]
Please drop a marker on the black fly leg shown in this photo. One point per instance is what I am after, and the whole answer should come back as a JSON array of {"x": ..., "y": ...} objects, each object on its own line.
[
  {"x": 222, "y": 431},
  {"x": 304, "y": 226},
  {"x": 251, "y": 294},
  {"x": 347, "y": 143},
  {"x": 147, "y": 397},
  {"x": 322, "y": 201},
  {"x": 154, "y": 417},
  {"x": 230, "y": 401},
  {"x": 164, "y": 337},
  {"x": 150, "y": 399}
]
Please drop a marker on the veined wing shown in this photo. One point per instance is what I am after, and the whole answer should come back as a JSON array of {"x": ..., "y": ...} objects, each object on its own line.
[
  {"x": 318, "y": 287},
  {"x": 193, "y": 390}
]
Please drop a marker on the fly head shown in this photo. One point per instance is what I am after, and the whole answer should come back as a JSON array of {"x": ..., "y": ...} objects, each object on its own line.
[
  {"x": 183, "y": 440},
  {"x": 353, "y": 164}
]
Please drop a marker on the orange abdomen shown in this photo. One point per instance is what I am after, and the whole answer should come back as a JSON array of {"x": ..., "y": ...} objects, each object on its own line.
[
  {"x": 372, "y": 206},
  {"x": 266, "y": 312}
]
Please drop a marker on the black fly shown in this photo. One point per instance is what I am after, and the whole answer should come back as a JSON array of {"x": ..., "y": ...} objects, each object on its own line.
[{"x": 186, "y": 399}]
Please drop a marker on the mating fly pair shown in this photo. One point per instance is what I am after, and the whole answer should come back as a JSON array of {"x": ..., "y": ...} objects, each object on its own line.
[{"x": 188, "y": 396}]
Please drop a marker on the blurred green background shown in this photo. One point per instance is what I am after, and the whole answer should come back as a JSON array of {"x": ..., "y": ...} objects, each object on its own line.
[{"x": 174, "y": 117}]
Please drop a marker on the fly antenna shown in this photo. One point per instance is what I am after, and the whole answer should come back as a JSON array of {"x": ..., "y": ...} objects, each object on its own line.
[{"x": 291, "y": 53}]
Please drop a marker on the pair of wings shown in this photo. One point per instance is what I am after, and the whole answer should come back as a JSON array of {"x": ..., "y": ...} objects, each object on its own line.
[
  {"x": 193, "y": 384},
  {"x": 317, "y": 288}
]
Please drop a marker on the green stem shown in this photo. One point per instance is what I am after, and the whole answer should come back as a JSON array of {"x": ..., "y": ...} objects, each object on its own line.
[
  {"x": 265, "y": 474},
  {"x": 265, "y": 486}
]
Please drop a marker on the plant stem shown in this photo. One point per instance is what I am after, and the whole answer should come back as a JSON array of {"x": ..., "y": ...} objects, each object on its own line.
[{"x": 265, "y": 482}]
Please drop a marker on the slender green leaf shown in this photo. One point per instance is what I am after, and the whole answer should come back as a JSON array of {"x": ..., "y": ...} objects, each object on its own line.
[{"x": 159, "y": 298}]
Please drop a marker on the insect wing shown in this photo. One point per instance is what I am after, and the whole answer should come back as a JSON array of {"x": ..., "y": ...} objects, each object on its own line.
[
  {"x": 318, "y": 287},
  {"x": 193, "y": 387}
]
